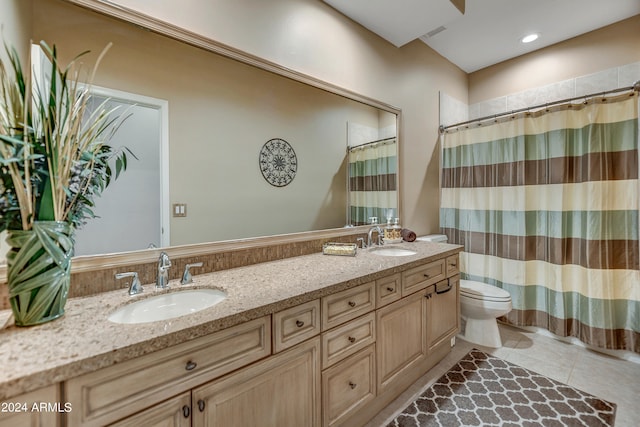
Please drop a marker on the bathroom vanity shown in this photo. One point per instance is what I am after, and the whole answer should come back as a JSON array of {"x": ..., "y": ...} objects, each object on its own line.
[{"x": 313, "y": 340}]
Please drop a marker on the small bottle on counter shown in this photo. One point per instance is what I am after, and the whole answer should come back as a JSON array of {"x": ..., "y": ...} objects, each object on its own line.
[
  {"x": 388, "y": 231},
  {"x": 396, "y": 230}
]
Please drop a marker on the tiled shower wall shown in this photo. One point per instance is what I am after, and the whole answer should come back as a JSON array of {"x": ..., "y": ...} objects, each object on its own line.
[{"x": 454, "y": 111}]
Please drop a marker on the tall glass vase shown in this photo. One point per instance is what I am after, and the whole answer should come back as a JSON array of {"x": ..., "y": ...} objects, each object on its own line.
[{"x": 39, "y": 271}]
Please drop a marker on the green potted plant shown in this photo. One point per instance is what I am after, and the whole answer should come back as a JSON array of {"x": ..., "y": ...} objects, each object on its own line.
[{"x": 54, "y": 161}]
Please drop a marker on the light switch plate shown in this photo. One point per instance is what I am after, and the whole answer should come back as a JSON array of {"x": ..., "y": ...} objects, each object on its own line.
[{"x": 179, "y": 209}]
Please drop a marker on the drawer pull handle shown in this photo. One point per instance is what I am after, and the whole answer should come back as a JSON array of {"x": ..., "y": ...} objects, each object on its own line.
[
  {"x": 352, "y": 304},
  {"x": 427, "y": 276},
  {"x": 452, "y": 264},
  {"x": 352, "y": 385},
  {"x": 201, "y": 405},
  {"x": 445, "y": 290},
  {"x": 389, "y": 288},
  {"x": 186, "y": 411},
  {"x": 299, "y": 323},
  {"x": 352, "y": 339},
  {"x": 428, "y": 296},
  {"x": 190, "y": 366}
]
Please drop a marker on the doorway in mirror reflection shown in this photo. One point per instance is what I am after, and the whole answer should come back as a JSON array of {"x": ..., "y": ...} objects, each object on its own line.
[{"x": 132, "y": 210}]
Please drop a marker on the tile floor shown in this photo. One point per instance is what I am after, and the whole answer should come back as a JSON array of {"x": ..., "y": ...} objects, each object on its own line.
[{"x": 604, "y": 376}]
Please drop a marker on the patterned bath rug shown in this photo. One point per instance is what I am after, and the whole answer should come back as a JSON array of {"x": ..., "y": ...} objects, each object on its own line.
[{"x": 484, "y": 390}]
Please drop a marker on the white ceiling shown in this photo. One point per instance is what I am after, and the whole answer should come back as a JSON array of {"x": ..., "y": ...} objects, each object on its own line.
[{"x": 490, "y": 30}]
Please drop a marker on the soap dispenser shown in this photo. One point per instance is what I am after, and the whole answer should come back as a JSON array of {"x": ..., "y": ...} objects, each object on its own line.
[
  {"x": 396, "y": 230},
  {"x": 388, "y": 231}
]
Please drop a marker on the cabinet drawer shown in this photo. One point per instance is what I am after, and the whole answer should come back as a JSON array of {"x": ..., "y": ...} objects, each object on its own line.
[
  {"x": 347, "y": 339},
  {"x": 117, "y": 391},
  {"x": 296, "y": 324},
  {"x": 348, "y": 386},
  {"x": 388, "y": 290},
  {"x": 346, "y": 305},
  {"x": 453, "y": 265},
  {"x": 422, "y": 276}
]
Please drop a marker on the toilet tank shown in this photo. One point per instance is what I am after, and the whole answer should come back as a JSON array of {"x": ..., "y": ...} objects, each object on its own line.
[{"x": 435, "y": 238}]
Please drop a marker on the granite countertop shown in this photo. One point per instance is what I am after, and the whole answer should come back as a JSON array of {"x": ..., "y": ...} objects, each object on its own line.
[{"x": 83, "y": 340}]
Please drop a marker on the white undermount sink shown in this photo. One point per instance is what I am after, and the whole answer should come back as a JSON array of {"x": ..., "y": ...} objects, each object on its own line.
[
  {"x": 167, "y": 306},
  {"x": 391, "y": 251}
]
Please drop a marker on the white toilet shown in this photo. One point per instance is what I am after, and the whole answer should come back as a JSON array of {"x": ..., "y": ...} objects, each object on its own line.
[{"x": 480, "y": 305}]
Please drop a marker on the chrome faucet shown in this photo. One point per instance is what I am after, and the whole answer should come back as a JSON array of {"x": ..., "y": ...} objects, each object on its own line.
[
  {"x": 163, "y": 271},
  {"x": 377, "y": 228}
]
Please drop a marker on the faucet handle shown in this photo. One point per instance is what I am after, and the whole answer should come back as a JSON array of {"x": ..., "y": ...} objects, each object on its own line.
[
  {"x": 186, "y": 276},
  {"x": 164, "y": 261},
  {"x": 135, "y": 287},
  {"x": 363, "y": 244}
]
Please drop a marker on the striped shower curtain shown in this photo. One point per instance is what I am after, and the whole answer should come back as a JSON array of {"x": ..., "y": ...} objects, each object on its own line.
[
  {"x": 546, "y": 206},
  {"x": 372, "y": 182}
]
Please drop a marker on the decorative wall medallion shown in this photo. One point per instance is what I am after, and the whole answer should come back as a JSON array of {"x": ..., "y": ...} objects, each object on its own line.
[{"x": 278, "y": 162}]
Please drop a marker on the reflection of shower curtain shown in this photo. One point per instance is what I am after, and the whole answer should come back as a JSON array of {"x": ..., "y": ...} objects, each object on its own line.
[
  {"x": 546, "y": 206},
  {"x": 372, "y": 182}
]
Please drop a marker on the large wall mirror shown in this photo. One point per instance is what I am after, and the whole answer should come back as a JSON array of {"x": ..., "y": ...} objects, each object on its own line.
[{"x": 221, "y": 113}]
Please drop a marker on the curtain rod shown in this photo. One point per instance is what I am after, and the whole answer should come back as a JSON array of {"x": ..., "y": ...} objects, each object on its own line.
[
  {"x": 379, "y": 141},
  {"x": 634, "y": 87}
]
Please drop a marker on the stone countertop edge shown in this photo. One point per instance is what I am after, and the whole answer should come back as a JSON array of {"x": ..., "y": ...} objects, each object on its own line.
[{"x": 83, "y": 340}]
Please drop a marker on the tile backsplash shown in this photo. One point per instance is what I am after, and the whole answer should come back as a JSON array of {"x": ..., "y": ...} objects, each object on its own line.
[
  {"x": 613, "y": 78},
  {"x": 93, "y": 282}
]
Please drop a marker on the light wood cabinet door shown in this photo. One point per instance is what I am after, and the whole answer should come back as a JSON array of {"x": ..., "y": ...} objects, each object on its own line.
[
  {"x": 175, "y": 412},
  {"x": 20, "y": 410},
  {"x": 348, "y": 386},
  {"x": 282, "y": 391},
  {"x": 401, "y": 338},
  {"x": 443, "y": 308}
]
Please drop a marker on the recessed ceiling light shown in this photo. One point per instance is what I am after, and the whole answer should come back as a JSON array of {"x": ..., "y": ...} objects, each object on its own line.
[{"x": 529, "y": 38}]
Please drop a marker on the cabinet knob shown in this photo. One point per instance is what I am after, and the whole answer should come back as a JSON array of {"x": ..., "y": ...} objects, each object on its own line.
[
  {"x": 352, "y": 385},
  {"x": 352, "y": 303},
  {"x": 299, "y": 323},
  {"x": 389, "y": 288},
  {"x": 352, "y": 339},
  {"x": 201, "y": 405},
  {"x": 186, "y": 411},
  {"x": 190, "y": 366}
]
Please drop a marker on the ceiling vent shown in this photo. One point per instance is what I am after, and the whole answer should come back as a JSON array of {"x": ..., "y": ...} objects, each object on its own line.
[
  {"x": 433, "y": 32},
  {"x": 400, "y": 21}
]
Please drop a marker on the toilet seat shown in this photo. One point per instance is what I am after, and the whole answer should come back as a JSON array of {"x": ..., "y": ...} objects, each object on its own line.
[{"x": 483, "y": 291}]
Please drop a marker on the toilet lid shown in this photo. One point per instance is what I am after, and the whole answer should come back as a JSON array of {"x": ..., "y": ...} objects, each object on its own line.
[{"x": 483, "y": 291}]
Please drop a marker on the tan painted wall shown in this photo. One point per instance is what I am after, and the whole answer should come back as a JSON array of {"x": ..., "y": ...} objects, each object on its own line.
[
  {"x": 15, "y": 21},
  {"x": 310, "y": 37},
  {"x": 609, "y": 47},
  {"x": 221, "y": 112}
]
